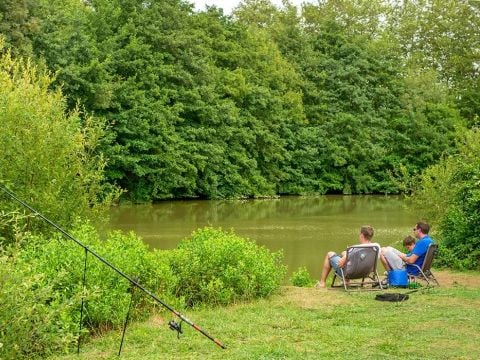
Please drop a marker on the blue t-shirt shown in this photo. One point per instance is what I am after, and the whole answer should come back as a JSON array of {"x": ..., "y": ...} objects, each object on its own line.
[{"x": 420, "y": 249}]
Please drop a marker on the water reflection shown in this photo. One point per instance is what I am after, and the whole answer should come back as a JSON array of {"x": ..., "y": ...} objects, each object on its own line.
[{"x": 304, "y": 227}]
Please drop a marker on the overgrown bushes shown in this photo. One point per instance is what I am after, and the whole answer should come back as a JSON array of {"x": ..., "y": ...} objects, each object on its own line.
[
  {"x": 41, "y": 283},
  {"x": 34, "y": 320},
  {"x": 450, "y": 193},
  {"x": 41, "y": 290}
]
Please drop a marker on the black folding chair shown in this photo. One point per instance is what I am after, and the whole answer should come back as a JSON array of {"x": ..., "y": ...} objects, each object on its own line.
[{"x": 425, "y": 271}]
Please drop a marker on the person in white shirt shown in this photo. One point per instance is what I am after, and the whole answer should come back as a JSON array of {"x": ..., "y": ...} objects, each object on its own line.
[{"x": 332, "y": 260}]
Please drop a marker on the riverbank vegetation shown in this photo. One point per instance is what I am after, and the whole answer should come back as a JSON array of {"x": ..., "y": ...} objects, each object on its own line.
[
  {"x": 50, "y": 155},
  {"x": 305, "y": 323},
  {"x": 42, "y": 291},
  {"x": 150, "y": 100},
  {"x": 450, "y": 193}
]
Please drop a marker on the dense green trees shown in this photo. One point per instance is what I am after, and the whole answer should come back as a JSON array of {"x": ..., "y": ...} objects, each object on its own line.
[
  {"x": 362, "y": 103},
  {"x": 269, "y": 101},
  {"x": 442, "y": 35}
]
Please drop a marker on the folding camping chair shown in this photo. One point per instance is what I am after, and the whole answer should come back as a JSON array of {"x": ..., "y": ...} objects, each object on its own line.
[
  {"x": 425, "y": 272},
  {"x": 361, "y": 263}
]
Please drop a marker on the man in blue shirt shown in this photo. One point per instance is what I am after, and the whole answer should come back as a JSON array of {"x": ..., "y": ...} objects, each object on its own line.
[{"x": 394, "y": 259}]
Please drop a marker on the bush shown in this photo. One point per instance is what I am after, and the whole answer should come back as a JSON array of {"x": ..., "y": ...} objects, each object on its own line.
[
  {"x": 218, "y": 267},
  {"x": 450, "y": 192},
  {"x": 41, "y": 283},
  {"x": 41, "y": 289},
  {"x": 302, "y": 278},
  {"x": 35, "y": 320},
  {"x": 108, "y": 293},
  {"x": 49, "y": 156}
]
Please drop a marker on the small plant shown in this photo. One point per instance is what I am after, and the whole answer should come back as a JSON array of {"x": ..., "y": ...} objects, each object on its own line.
[{"x": 302, "y": 278}]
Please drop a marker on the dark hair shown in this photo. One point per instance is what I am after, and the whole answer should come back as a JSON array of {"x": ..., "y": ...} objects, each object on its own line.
[
  {"x": 409, "y": 240},
  {"x": 367, "y": 232},
  {"x": 423, "y": 226}
]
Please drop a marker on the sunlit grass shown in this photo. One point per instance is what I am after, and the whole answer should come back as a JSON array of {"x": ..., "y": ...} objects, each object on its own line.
[{"x": 304, "y": 323}]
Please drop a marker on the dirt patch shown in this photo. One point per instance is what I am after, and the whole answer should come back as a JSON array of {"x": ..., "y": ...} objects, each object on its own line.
[
  {"x": 448, "y": 278},
  {"x": 309, "y": 298},
  {"x": 157, "y": 321}
]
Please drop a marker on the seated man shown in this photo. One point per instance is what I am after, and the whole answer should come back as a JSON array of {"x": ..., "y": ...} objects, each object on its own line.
[
  {"x": 394, "y": 259},
  {"x": 332, "y": 260}
]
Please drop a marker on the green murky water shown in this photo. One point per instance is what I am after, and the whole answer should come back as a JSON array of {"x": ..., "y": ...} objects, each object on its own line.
[{"x": 304, "y": 227}]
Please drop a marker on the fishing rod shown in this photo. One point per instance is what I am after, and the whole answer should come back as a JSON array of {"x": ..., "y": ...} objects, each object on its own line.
[{"x": 172, "y": 324}]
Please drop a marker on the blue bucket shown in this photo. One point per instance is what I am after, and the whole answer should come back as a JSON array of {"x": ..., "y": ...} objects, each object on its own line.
[{"x": 398, "y": 278}]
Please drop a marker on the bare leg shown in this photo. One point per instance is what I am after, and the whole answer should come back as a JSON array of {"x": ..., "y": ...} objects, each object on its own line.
[{"x": 325, "y": 270}]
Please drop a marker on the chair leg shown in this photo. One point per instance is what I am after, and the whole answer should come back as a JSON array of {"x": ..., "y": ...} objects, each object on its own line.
[
  {"x": 423, "y": 276},
  {"x": 334, "y": 278},
  {"x": 344, "y": 281},
  {"x": 434, "y": 279},
  {"x": 427, "y": 277},
  {"x": 378, "y": 280}
]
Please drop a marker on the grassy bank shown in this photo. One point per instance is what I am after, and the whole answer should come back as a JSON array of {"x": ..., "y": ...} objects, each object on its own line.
[{"x": 304, "y": 323}]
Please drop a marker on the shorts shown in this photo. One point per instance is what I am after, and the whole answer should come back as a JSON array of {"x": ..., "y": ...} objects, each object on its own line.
[
  {"x": 334, "y": 260},
  {"x": 392, "y": 256}
]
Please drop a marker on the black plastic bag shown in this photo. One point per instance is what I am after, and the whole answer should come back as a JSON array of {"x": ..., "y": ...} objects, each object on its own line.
[{"x": 393, "y": 297}]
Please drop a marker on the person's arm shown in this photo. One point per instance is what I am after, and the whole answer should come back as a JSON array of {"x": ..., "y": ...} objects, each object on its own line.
[{"x": 409, "y": 259}]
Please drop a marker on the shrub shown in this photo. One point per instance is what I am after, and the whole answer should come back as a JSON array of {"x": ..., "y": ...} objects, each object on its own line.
[
  {"x": 108, "y": 292},
  {"x": 49, "y": 156},
  {"x": 34, "y": 320},
  {"x": 41, "y": 283},
  {"x": 450, "y": 193},
  {"x": 302, "y": 278},
  {"x": 217, "y": 267},
  {"x": 41, "y": 287}
]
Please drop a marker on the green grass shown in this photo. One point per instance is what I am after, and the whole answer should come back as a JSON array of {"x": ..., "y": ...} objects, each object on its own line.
[{"x": 304, "y": 323}]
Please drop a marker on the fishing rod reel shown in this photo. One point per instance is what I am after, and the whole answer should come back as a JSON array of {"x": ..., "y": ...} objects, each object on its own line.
[{"x": 173, "y": 325}]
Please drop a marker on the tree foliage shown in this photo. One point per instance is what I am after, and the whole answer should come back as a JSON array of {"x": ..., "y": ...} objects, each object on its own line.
[
  {"x": 442, "y": 36},
  {"x": 271, "y": 100},
  {"x": 49, "y": 156}
]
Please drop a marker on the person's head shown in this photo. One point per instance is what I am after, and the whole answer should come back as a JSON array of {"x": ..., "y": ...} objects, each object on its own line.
[
  {"x": 366, "y": 234},
  {"x": 421, "y": 229},
  {"x": 409, "y": 243}
]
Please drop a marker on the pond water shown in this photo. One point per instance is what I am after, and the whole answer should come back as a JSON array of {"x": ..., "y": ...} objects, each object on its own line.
[{"x": 304, "y": 227}]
